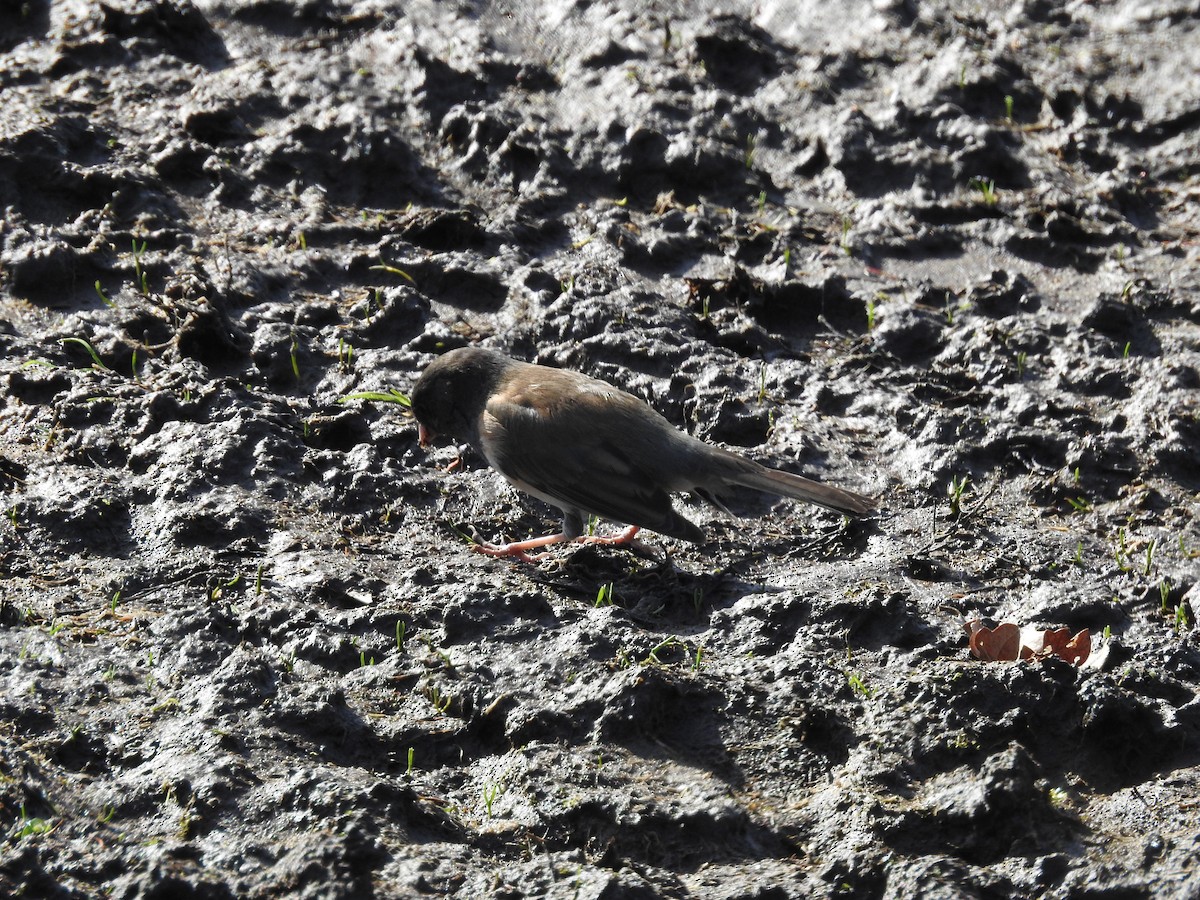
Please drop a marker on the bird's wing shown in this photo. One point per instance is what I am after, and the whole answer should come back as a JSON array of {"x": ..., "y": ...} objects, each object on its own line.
[{"x": 570, "y": 454}]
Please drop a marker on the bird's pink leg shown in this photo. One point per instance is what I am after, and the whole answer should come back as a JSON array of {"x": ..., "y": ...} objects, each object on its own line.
[{"x": 517, "y": 548}]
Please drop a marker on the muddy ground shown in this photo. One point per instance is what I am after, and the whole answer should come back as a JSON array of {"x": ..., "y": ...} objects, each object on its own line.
[{"x": 942, "y": 254}]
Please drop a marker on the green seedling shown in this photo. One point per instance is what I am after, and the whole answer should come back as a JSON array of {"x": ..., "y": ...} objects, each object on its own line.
[
  {"x": 748, "y": 157},
  {"x": 652, "y": 656},
  {"x": 1080, "y": 504},
  {"x": 408, "y": 769},
  {"x": 858, "y": 686},
  {"x": 104, "y": 298},
  {"x": 440, "y": 702},
  {"x": 218, "y": 590},
  {"x": 441, "y": 654},
  {"x": 987, "y": 190},
  {"x": 1181, "y": 618},
  {"x": 1149, "y": 564},
  {"x": 392, "y": 270},
  {"x": 604, "y": 596},
  {"x": 1125, "y": 352},
  {"x": 292, "y": 353},
  {"x": 142, "y": 277},
  {"x": 870, "y": 314},
  {"x": 401, "y": 631},
  {"x": 1164, "y": 592},
  {"x": 491, "y": 791},
  {"x": 392, "y": 396},
  {"x": 1120, "y": 556},
  {"x": 1008, "y": 107},
  {"x": 1021, "y": 365},
  {"x": 28, "y": 826},
  {"x": 171, "y": 704},
  {"x": 97, "y": 363},
  {"x": 956, "y": 492},
  {"x": 345, "y": 355}
]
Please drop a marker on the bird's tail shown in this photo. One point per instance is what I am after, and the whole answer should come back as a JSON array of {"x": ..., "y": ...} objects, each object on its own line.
[{"x": 772, "y": 481}]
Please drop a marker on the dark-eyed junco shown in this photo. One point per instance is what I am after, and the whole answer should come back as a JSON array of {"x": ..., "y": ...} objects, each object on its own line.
[{"x": 588, "y": 448}]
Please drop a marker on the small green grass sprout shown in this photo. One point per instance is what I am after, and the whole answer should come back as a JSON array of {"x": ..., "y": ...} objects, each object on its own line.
[
  {"x": 956, "y": 491},
  {"x": 390, "y": 396},
  {"x": 97, "y": 363},
  {"x": 858, "y": 686}
]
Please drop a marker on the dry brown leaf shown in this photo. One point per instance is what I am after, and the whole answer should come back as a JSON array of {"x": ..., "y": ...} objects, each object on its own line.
[
  {"x": 996, "y": 644},
  {"x": 1007, "y": 642},
  {"x": 1074, "y": 649}
]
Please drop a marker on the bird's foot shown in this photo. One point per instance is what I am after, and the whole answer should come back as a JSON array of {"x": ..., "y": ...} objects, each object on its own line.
[
  {"x": 517, "y": 549},
  {"x": 625, "y": 537}
]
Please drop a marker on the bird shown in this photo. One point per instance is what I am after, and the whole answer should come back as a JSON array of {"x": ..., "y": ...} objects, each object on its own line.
[{"x": 590, "y": 449}]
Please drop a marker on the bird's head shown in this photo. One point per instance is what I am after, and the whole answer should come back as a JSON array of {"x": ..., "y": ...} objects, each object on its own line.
[{"x": 451, "y": 393}]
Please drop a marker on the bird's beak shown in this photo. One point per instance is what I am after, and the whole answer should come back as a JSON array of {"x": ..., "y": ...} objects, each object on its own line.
[{"x": 424, "y": 435}]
